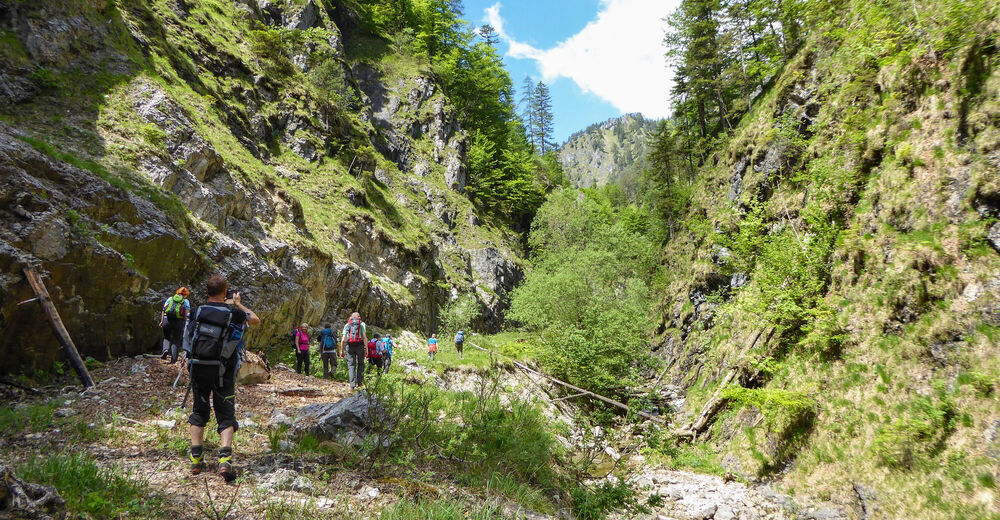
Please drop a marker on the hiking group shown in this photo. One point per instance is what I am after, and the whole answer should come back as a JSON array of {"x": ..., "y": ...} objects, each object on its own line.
[
  {"x": 211, "y": 338},
  {"x": 354, "y": 347}
]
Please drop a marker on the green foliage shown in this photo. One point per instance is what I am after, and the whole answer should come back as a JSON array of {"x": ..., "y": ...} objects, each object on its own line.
[
  {"x": 31, "y": 417},
  {"x": 92, "y": 490},
  {"x": 328, "y": 79},
  {"x": 919, "y": 430},
  {"x": 587, "y": 291},
  {"x": 441, "y": 510},
  {"x": 774, "y": 403},
  {"x": 270, "y": 45},
  {"x": 980, "y": 382},
  {"x": 594, "y": 503},
  {"x": 460, "y": 313}
]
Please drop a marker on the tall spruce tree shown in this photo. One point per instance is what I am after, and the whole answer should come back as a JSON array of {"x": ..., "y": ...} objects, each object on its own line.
[
  {"x": 542, "y": 111},
  {"x": 527, "y": 107}
]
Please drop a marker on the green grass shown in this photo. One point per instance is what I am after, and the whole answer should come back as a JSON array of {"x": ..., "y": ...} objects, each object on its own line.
[
  {"x": 441, "y": 510},
  {"x": 91, "y": 490},
  {"x": 32, "y": 417}
]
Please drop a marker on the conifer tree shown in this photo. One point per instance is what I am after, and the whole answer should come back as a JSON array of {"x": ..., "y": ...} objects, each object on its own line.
[
  {"x": 489, "y": 35},
  {"x": 527, "y": 106},
  {"x": 542, "y": 111}
]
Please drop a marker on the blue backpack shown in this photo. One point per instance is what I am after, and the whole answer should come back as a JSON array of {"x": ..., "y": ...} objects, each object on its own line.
[
  {"x": 328, "y": 340},
  {"x": 460, "y": 338}
]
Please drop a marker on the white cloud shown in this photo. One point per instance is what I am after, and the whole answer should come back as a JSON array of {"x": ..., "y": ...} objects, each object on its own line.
[{"x": 618, "y": 57}]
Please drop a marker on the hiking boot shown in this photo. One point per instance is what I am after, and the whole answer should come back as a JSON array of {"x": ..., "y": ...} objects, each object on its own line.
[
  {"x": 227, "y": 472},
  {"x": 197, "y": 464},
  {"x": 226, "y": 464}
]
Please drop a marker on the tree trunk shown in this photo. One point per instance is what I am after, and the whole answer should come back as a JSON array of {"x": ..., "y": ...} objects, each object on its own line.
[{"x": 57, "y": 326}]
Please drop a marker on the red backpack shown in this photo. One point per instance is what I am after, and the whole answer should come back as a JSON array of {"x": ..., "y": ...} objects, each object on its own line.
[
  {"x": 302, "y": 339},
  {"x": 373, "y": 349},
  {"x": 354, "y": 329}
]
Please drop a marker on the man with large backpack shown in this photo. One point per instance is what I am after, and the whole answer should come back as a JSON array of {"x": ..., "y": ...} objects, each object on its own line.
[
  {"x": 328, "y": 351},
  {"x": 173, "y": 319},
  {"x": 354, "y": 339},
  {"x": 213, "y": 333}
]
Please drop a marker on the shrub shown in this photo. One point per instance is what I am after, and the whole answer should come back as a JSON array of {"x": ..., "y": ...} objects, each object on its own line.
[
  {"x": 594, "y": 503},
  {"x": 328, "y": 79},
  {"x": 921, "y": 432}
]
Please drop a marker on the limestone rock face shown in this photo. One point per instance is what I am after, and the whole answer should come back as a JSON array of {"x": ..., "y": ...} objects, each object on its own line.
[{"x": 186, "y": 183}]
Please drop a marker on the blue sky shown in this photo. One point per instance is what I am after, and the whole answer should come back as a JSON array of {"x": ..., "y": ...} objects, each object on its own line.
[{"x": 600, "y": 58}]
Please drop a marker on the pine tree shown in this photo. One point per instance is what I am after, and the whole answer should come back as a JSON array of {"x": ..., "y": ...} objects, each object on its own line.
[
  {"x": 542, "y": 111},
  {"x": 489, "y": 35},
  {"x": 527, "y": 107}
]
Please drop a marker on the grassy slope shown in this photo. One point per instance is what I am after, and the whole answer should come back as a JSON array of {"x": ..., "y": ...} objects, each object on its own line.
[{"x": 851, "y": 392}]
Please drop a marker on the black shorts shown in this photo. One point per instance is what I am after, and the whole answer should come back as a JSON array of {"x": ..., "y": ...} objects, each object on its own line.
[
  {"x": 459, "y": 345},
  {"x": 205, "y": 386}
]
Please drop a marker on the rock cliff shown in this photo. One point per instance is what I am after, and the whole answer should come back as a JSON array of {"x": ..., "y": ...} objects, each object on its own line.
[{"x": 146, "y": 145}]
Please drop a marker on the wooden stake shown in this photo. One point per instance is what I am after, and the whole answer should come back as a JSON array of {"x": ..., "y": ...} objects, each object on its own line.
[{"x": 57, "y": 325}]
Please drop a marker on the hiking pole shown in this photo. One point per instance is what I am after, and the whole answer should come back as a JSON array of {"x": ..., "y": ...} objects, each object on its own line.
[
  {"x": 181, "y": 371},
  {"x": 186, "y": 394}
]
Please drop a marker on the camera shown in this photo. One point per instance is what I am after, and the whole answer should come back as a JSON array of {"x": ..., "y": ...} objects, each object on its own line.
[{"x": 230, "y": 293}]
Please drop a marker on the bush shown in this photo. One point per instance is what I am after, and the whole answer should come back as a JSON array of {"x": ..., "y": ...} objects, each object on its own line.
[
  {"x": 594, "y": 503},
  {"x": 328, "y": 79},
  {"x": 921, "y": 433}
]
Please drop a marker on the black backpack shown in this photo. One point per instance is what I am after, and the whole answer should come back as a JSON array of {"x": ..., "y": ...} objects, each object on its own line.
[{"x": 209, "y": 341}]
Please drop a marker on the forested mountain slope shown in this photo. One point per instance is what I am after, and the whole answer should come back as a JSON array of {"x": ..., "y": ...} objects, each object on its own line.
[
  {"x": 613, "y": 151},
  {"x": 305, "y": 149},
  {"x": 831, "y": 284}
]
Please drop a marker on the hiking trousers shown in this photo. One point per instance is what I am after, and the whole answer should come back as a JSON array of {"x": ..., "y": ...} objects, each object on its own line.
[
  {"x": 329, "y": 360},
  {"x": 386, "y": 361},
  {"x": 208, "y": 396},
  {"x": 302, "y": 358},
  {"x": 356, "y": 363},
  {"x": 173, "y": 333}
]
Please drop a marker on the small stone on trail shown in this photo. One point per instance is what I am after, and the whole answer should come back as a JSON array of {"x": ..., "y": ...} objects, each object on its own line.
[
  {"x": 164, "y": 424},
  {"x": 703, "y": 512},
  {"x": 248, "y": 423},
  {"x": 369, "y": 493},
  {"x": 138, "y": 367},
  {"x": 65, "y": 412},
  {"x": 724, "y": 512}
]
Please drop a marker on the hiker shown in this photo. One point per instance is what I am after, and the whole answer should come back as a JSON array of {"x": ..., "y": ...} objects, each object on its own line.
[
  {"x": 459, "y": 343},
  {"x": 352, "y": 344},
  {"x": 173, "y": 319},
  {"x": 374, "y": 353},
  {"x": 328, "y": 351},
  {"x": 302, "y": 348},
  {"x": 210, "y": 342},
  {"x": 432, "y": 347},
  {"x": 386, "y": 353}
]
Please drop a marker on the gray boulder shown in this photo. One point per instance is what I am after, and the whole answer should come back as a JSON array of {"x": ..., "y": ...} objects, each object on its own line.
[{"x": 350, "y": 420}]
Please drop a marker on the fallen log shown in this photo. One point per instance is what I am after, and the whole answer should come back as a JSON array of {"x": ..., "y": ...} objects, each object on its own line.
[
  {"x": 57, "y": 325},
  {"x": 717, "y": 401}
]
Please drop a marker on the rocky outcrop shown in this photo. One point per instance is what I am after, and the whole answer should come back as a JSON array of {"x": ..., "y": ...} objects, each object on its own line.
[{"x": 199, "y": 188}]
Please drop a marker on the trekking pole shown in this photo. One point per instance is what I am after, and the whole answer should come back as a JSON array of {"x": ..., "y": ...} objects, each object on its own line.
[
  {"x": 181, "y": 371},
  {"x": 186, "y": 394}
]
